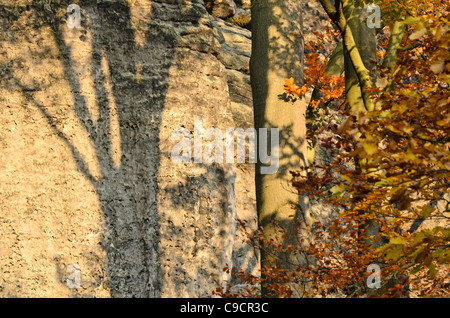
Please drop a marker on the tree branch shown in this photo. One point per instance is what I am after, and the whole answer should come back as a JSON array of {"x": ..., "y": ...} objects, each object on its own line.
[
  {"x": 337, "y": 16},
  {"x": 330, "y": 9},
  {"x": 81, "y": 164}
]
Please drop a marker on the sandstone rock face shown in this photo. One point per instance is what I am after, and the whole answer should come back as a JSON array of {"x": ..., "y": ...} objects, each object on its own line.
[
  {"x": 235, "y": 43},
  {"x": 93, "y": 204},
  {"x": 236, "y": 47},
  {"x": 221, "y": 8}
]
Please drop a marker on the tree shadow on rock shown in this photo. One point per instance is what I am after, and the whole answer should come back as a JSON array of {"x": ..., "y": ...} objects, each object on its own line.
[{"x": 130, "y": 76}]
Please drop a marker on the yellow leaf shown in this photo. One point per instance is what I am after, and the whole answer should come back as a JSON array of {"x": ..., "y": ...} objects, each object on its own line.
[
  {"x": 426, "y": 211},
  {"x": 370, "y": 148},
  {"x": 398, "y": 240},
  {"x": 409, "y": 155},
  {"x": 432, "y": 270},
  {"x": 443, "y": 122},
  {"x": 394, "y": 253},
  {"x": 338, "y": 190},
  {"x": 419, "y": 30},
  {"x": 410, "y": 20}
]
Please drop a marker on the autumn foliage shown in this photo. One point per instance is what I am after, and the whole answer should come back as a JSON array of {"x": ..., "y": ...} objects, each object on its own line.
[{"x": 390, "y": 178}]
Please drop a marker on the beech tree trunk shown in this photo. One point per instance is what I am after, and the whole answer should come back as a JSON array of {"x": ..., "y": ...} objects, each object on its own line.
[{"x": 277, "y": 54}]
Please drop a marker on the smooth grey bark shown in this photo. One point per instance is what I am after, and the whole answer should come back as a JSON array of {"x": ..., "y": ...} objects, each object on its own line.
[{"x": 277, "y": 54}]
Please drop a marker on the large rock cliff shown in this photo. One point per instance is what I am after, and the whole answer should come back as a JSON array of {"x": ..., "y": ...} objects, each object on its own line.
[{"x": 92, "y": 203}]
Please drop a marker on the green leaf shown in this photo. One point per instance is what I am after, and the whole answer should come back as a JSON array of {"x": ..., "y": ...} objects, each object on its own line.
[
  {"x": 338, "y": 189},
  {"x": 432, "y": 270},
  {"x": 346, "y": 178},
  {"x": 416, "y": 269},
  {"x": 411, "y": 20},
  {"x": 397, "y": 240},
  {"x": 442, "y": 256},
  {"x": 426, "y": 211},
  {"x": 337, "y": 194}
]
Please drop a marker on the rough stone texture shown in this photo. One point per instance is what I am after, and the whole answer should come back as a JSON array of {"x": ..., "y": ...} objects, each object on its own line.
[
  {"x": 235, "y": 43},
  {"x": 86, "y": 122},
  {"x": 244, "y": 4},
  {"x": 221, "y": 8}
]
